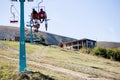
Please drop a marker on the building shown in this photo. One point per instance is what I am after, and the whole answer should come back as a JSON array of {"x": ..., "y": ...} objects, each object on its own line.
[{"x": 77, "y": 44}]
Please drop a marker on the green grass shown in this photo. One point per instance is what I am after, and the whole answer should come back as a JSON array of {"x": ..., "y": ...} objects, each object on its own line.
[
  {"x": 9, "y": 53},
  {"x": 15, "y": 45},
  {"x": 72, "y": 60},
  {"x": 54, "y": 74},
  {"x": 7, "y": 69},
  {"x": 62, "y": 58},
  {"x": 12, "y": 44}
]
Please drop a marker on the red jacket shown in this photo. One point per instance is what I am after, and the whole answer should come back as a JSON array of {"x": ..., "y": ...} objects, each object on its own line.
[
  {"x": 42, "y": 14},
  {"x": 35, "y": 16}
]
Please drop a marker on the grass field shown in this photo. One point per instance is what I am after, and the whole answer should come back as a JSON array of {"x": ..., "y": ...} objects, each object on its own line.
[{"x": 58, "y": 57}]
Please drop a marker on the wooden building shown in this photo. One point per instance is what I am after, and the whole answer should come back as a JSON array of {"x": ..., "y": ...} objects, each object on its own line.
[{"x": 76, "y": 45}]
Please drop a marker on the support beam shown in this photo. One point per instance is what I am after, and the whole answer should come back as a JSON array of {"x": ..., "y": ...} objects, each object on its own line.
[
  {"x": 31, "y": 35},
  {"x": 22, "y": 54}
]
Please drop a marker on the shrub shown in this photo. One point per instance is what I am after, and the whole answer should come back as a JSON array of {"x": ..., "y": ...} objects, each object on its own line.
[
  {"x": 116, "y": 55},
  {"x": 42, "y": 39},
  {"x": 100, "y": 51},
  {"x": 109, "y": 53},
  {"x": 85, "y": 50}
]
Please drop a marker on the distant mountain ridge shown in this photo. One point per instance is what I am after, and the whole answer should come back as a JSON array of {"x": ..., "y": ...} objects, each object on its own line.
[
  {"x": 9, "y": 32},
  {"x": 106, "y": 44}
]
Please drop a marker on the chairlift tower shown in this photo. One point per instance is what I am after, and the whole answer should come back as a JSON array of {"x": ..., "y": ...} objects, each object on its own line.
[
  {"x": 22, "y": 47},
  {"x": 22, "y": 54},
  {"x": 30, "y": 24}
]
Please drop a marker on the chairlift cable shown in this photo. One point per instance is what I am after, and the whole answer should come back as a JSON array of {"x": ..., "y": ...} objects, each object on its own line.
[{"x": 39, "y": 4}]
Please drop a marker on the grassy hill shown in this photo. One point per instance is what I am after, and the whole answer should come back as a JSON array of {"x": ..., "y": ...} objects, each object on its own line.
[
  {"x": 55, "y": 63},
  {"x": 9, "y": 32}
]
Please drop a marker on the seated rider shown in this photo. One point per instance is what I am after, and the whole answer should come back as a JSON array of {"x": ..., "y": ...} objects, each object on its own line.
[
  {"x": 42, "y": 15},
  {"x": 34, "y": 14}
]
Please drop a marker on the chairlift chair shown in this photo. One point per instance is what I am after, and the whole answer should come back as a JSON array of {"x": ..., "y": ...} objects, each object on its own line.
[
  {"x": 37, "y": 17},
  {"x": 13, "y": 19},
  {"x": 36, "y": 26}
]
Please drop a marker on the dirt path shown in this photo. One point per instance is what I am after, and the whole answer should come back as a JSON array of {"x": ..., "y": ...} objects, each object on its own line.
[{"x": 59, "y": 69}]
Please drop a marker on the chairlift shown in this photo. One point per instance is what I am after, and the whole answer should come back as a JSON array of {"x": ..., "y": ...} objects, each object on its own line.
[
  {"x": 43, "y": 17},
  {"x": 13, "y": 19},
  {"x": 37, "y": 26},
  {"x": 38, "y": 17},
  {"x": 35, "y": 12}
]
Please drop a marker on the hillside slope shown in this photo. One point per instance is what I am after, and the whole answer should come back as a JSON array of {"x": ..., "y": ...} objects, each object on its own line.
[
  {"x": 9, "y": 32},
  {"x": 58, "y": 63},
  {"x": 106, "y": 44}
]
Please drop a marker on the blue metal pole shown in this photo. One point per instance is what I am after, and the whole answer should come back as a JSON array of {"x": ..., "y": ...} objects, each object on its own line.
[
  {"x": 31, "y": 35},
  {"x": 22, "y": 57}
]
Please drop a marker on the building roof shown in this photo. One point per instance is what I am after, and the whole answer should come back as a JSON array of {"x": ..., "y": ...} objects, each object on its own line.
[{"x": 80, "y": 40}]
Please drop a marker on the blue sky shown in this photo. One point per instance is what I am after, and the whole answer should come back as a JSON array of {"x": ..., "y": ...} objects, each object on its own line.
[{"x": 95, "y": 19}]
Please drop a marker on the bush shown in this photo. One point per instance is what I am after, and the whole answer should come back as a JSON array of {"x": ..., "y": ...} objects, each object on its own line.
[
  {"x": 42, "y": 39},
  {"x": 100, "y": 52},
  {"x": 116, "y": 55},
  {"x": 85, "y": 50},
  {"x": 107, "y": 53}
]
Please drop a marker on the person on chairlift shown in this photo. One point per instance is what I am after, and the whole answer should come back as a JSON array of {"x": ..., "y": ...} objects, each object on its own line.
[
  {"x": 42, "y": 15},
  {"x": 34, "y": 14}
]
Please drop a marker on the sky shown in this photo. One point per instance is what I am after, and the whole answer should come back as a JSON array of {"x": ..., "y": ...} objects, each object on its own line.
[{"x": 93, "y": 19}]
